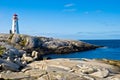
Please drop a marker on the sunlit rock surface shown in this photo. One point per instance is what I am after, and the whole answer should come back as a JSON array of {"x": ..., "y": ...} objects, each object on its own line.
[{"x": 65, "y": 69}]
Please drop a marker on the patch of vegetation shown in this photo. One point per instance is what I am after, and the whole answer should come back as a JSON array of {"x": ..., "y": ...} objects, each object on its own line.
[
  {"x": 112, "y": 62},
  {"x": 22, "y": 40},
  {"x": 11, "y": 36},
  {"x": 2, "y": 49}
]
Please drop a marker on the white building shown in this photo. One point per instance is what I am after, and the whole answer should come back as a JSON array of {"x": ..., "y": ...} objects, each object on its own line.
[{"x": 15, "y": 27}]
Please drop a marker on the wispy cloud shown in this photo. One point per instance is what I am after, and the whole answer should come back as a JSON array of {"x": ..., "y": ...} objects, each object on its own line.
[{"x": 69, "y": 5}]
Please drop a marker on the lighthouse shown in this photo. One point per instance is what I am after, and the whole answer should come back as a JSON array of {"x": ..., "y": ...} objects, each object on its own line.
[{"x": 15, "y": 27}]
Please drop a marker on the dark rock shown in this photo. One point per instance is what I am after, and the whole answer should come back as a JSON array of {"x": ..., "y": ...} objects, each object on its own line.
[
  {"x": 11, "y": 53},
  {"x": 8, "y": 65}
]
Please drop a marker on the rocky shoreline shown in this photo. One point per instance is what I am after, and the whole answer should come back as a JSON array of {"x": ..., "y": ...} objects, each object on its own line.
[
  {"x": 65, "y": 69},
  {"x": 43, "y": 44},
  {"x": 18, "y": 50},
  {"x": 21, "y": 58}
]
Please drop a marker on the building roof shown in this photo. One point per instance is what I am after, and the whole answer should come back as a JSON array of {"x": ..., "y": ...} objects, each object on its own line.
[{"x": 15, "y": 15}]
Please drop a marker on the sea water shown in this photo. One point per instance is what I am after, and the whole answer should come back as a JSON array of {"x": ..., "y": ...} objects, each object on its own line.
[{"x": 111, "y": 50}]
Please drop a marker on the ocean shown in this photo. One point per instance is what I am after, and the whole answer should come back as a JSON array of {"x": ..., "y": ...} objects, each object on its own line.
[{"x": 111, "y": 50}]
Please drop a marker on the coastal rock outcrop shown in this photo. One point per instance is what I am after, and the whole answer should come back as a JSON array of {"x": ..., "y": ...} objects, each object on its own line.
[
  {"x": 20, "y": 55},
  {"x": 45, "y": 45}
]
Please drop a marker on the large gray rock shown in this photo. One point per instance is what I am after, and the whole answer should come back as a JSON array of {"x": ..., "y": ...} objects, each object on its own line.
[
  {"x": 32, "y": 42},
  {"x": 8, "y": 65},
  {"x": 27, "y": 58},
  {"x": 24, "y": 41},
  {"x": 12, "y": 67},
  {"x": 15, "y": 38},
  {"x": 12, "y": 53},
  {"x": 55, "y": 43},
  {"x": 4, "y": 37},
  {"x": 21, "y": 52}
]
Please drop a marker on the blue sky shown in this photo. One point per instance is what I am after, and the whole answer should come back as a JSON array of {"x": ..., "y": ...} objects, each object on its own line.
[{"x": 67, "y": 19}]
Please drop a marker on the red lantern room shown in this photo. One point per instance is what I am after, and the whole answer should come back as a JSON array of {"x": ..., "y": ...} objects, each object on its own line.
[{"x": 15, "y": 15}]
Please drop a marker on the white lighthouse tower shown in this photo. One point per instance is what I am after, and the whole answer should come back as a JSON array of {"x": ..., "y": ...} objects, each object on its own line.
[{"x": 15, "y": 27}]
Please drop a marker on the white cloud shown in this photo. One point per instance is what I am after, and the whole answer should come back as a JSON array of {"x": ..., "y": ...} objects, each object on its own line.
[{"x": 69, "y": 5}]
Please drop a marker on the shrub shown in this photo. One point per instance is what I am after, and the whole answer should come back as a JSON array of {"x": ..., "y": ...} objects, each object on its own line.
[
  {"x": 22, "y": 40},
  {"x": 11, "y": 36},
  {"x": 2, "y": 49}
]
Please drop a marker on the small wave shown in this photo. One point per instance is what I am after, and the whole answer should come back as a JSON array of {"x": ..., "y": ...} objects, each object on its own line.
[{"x": 105, "y": 47}]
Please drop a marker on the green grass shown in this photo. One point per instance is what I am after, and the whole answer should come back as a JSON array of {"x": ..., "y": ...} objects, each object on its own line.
[
  {"x": 23, "y": 42},
  {"x": 2, "y": 49},
  {"x": 11, "y": 36}
]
